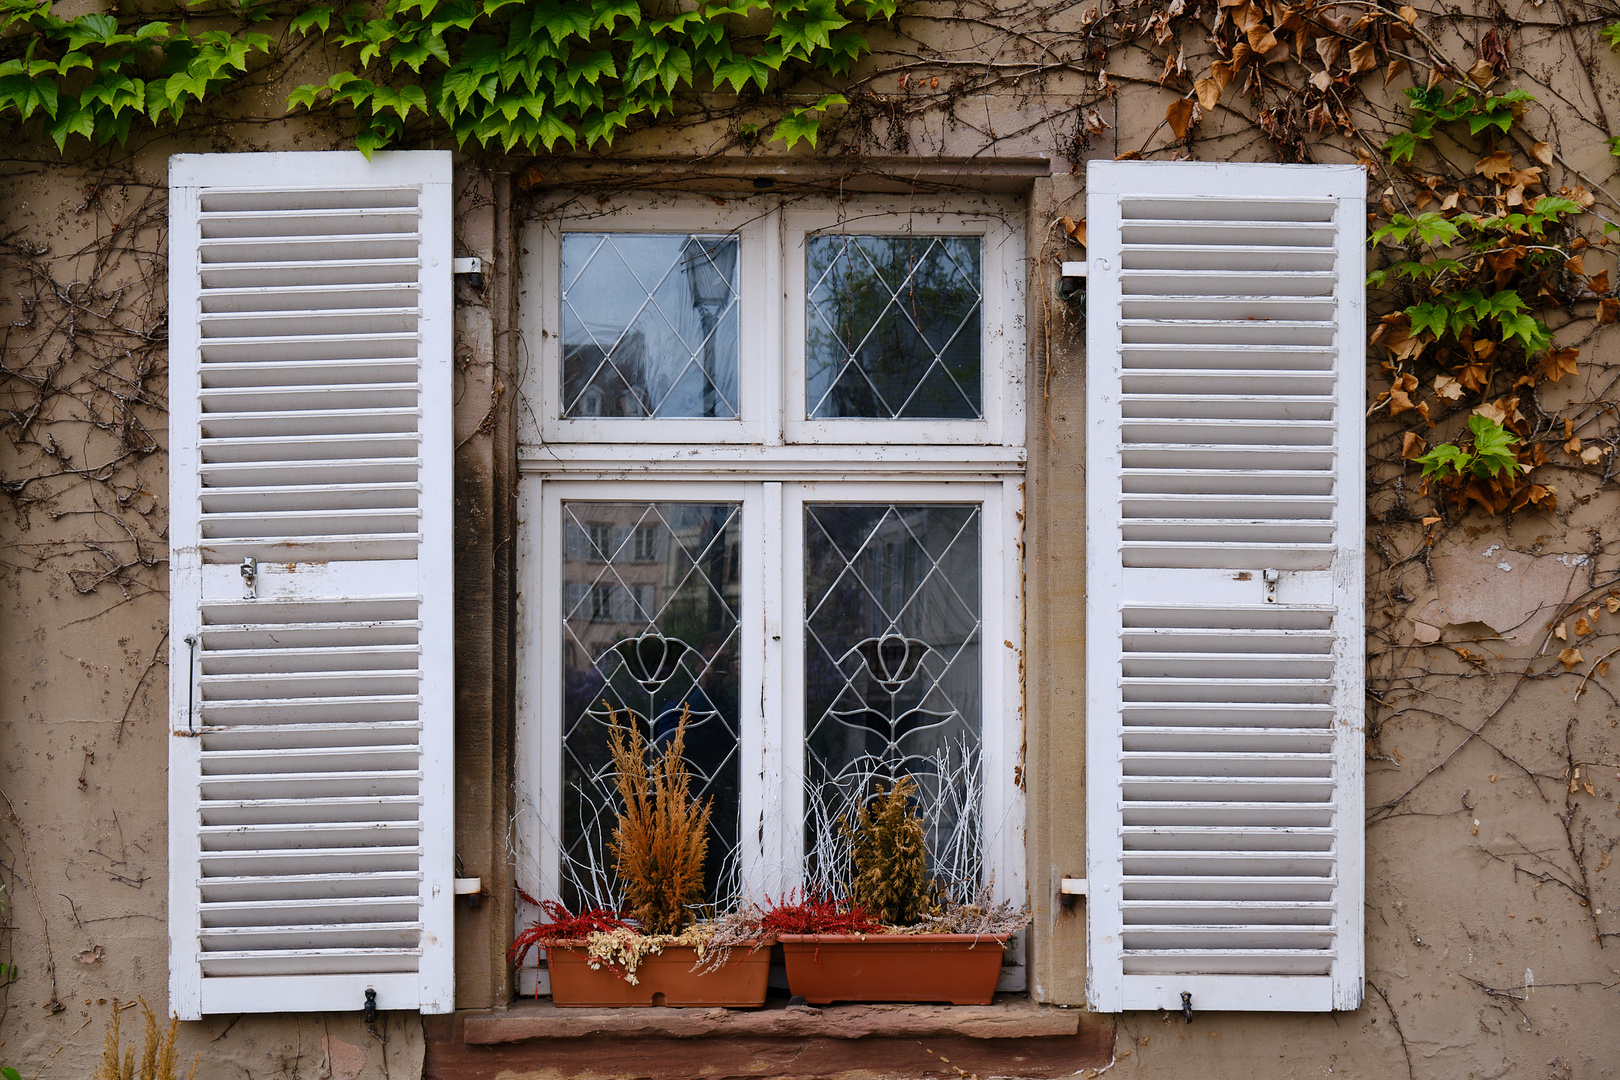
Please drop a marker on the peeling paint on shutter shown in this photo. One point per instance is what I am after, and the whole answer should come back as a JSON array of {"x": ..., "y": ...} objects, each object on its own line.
[
  {"x": 311, "y": 846},
  {"x": 1224, "y": 595}
]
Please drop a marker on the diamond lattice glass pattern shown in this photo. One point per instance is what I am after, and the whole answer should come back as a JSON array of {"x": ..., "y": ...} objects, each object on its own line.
[
  {"x": 650, "y": 617},
  {"x": 892, "y": 677},
  {"x": 649, "y": 325},
  {"x": 892, "y": 327}
]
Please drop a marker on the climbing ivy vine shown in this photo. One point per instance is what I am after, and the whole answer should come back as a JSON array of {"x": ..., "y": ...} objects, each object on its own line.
[{"x": 495, "y": 73}]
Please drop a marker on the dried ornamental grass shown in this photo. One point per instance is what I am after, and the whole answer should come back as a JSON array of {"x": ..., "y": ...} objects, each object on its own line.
[
  {"x": 157, "y": 1059},
  {"x": 662, "y": 834}
]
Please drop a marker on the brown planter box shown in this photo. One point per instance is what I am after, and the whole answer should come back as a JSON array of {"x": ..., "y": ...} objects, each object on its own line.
[
  {"x": 662, "y": 979},
  {"x": 960, "y": 969}
]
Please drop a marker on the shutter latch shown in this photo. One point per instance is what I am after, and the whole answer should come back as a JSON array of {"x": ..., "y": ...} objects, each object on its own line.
[
  {"x": 250, "y": 578},
  {"x": 1186, "y": 995},
  {"x": 1271, "y": 577},
  {"x": 371, "y": 1005}
]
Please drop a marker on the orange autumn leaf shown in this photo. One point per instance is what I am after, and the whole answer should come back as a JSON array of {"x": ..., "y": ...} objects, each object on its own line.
[
  {"x": 1569, "y": 658},
  {"x": 1558, "y": 364},
  {"x": 1179, "y": 116},
  {"x": 1608, "y": 310},
  {"x": 1208, "y": 91}
]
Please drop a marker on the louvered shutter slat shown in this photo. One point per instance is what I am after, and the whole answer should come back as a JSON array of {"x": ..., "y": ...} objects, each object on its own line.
[
  {"x": 1224, "y": 586},
  {"x": 310, "y": 773}
]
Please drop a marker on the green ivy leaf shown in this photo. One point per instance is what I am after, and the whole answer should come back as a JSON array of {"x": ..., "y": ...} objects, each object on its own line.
[
  {"x": 1401, "y": 147},
  {"x": 1612, "y": 34},
  {"x": 1493, "y": 447},
  {"x": 76, "y": 120},
  {"x": 1430, "y": 317},
  {"x": 319, "y": 16},
  {"x": 1447, "y": 457}
]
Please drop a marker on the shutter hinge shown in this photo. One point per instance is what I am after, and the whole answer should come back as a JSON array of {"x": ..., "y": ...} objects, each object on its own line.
[
  {"x": 1072, "y": 287},
  {"x": 472, "y": 888},
  {"x": 471, "y": 266}
]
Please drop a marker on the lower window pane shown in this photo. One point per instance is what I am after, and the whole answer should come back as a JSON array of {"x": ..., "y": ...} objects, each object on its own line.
[
  {"x": 892, "y": 677},
  {"x": 651, "y": 601}
]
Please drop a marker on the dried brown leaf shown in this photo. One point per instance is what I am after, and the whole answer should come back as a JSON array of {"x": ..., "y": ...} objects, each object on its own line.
[
  {"x": 1363, "y": 58},
  {"x": 1569, "y": 658},
  {"x": 1395, "y": 69},
  {"x": 1179, "y": 116},
  {"x": 1582, "y": 627},
  {"x": 1591, "y": 455},
  {"x": 1482, "y": 73},
  {"x": 1409, "y": 15},
  {"x": 1447, "y": 387},
  {"x": 1608, "y": 310},
  {"x": 1561, "y": 632},
  {"x": 1412, "y": 445},
  {"x": 1494, "y": 166},
  {"x": 1576, "y": 265},
  {"x": 1208, "y": 91}
]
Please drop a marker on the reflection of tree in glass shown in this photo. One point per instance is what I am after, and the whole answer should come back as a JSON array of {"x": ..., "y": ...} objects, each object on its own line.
[{"x": 893, "y": 327}]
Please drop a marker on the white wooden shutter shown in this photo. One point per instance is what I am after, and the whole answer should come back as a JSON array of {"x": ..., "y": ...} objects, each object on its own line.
[
  {"x": 311, "y": 848},
  {"x": 1224, "y": 711}
]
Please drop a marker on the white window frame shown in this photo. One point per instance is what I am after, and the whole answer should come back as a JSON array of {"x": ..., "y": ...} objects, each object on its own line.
[{"x": 754, "y": 461}]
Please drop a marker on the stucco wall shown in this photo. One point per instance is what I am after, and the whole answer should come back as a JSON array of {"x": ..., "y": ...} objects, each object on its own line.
[{"x": 1490, "y": 942}]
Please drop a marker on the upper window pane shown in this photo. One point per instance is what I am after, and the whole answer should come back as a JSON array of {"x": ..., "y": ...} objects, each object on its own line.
[
  {"x": 649, "y": 325},
  {"x": 892, "y": 327}
]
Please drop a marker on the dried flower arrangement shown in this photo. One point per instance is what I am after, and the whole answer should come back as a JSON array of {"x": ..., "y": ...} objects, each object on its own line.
[{"x": 658, "y": 846}]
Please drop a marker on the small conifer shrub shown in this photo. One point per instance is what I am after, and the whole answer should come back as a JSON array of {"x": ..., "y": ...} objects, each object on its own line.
[{"x": 891, "y": 857}]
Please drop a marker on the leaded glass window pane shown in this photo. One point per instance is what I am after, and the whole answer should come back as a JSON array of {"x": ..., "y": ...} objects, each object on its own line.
[
  {"x": 652, "y": 595},
  {"x": 892, "y": 677},
  {"x": 892, "y": 327},
  {"x": 649, "y": 325}
]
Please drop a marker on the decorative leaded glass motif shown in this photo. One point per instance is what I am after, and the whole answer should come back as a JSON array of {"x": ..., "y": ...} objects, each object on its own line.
[
  {"x": 892, "y": 677},
  {"x": 892, "y": 327},
  {"x": 649, "y": 325},
  {"x": 650, "y": 614}
]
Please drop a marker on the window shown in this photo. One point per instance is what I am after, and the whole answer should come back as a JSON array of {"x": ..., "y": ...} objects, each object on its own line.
[{"x": 790, "y": 436}]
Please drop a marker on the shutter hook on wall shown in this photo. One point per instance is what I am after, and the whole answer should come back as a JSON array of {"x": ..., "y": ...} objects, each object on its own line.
[
  {"x": 371, "y": 1005},
  {"x": 1186, "y": 1005}
]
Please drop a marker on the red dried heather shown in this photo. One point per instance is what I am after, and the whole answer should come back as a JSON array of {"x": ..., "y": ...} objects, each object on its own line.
[
  {"x": 799, "y": 913},
  {"x": 558, "y": 925}
]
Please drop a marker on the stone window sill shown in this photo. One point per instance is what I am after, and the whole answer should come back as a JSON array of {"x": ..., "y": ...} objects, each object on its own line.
[
  {"x": 535, "y": 1040},
  {"x": 1014, "y": 1017}
]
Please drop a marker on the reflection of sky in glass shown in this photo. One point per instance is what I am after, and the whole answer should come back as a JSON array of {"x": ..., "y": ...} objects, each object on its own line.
[
  {"x": 651, "y": 598},
  {"x": 649, "y": 325},
  {"x": 892, "y": 675},
  {"x": 892, "y": 327}
]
